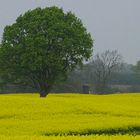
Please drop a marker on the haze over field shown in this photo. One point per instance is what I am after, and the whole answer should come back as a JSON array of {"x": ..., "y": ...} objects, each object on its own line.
[{"x": 114, "y": 24}]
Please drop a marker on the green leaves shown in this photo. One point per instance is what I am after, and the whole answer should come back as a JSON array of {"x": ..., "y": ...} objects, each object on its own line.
[{"x": 44, "y": 44}]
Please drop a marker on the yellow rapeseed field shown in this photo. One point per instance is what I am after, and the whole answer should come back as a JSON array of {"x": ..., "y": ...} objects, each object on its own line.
[{"x": 70, "y": 117}]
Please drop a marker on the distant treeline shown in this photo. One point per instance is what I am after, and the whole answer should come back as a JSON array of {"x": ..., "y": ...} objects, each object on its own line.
[{"x": 124, "y": 80}]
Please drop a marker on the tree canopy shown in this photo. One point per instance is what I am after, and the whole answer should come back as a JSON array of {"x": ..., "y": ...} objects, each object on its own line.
[{"x": 42, "y": 46}]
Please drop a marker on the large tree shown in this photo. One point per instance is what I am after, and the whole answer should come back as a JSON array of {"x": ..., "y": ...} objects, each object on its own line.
[{"x": 42, "y": 46}]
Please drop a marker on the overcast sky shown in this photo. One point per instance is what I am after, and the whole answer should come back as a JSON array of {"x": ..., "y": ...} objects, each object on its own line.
[{"x": 114, "y": 24}]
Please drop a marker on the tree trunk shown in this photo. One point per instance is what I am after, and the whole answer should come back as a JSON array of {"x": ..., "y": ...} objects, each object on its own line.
[{"x": 43, "y": 93}]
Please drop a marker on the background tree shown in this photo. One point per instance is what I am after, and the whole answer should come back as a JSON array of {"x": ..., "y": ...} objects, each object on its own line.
[
  {"x": 42, "y": 47},
  {"x": 136, "y": 68},
  {"x": 104, "y": 65}
]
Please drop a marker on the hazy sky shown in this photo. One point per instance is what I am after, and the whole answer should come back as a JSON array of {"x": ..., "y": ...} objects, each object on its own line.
[{"x": 114, "y": 24}]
